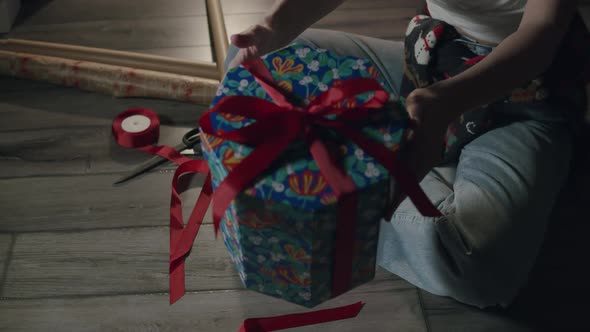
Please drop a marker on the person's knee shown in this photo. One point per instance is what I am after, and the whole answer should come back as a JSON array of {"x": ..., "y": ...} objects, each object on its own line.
[
  {"x": 492, "y": 254},
  {"x": 440, "y": 261}
]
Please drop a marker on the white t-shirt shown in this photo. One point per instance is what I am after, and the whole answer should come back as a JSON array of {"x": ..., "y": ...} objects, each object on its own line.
[{"x": 485, "y": 20}]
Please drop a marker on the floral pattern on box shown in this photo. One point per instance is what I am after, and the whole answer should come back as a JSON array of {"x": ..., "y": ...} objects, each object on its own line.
[{"x": 280, "y": 231}]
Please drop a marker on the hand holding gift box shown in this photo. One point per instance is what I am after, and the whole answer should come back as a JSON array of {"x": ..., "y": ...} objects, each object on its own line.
[{"x": 301, "y": 146}]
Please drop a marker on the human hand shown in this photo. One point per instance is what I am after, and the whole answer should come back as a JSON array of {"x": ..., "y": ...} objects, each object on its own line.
[
  {"x": 285, "y": 20},
  {"x": 430, "y": 114},
  {"x": 256, "y": 41}
]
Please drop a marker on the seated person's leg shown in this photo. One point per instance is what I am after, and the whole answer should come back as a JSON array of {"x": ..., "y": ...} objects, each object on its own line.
[
  {"x": 483, "y": 249},
  {"x": 386, "y": 55}
]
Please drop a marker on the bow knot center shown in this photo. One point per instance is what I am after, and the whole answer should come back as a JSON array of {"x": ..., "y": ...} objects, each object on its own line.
[{"x": 305, "y": 120}]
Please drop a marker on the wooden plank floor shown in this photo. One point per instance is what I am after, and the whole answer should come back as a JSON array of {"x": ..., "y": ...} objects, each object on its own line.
[
  {"x": 178, "y": 28},
  {"x": 77, "y": 254}
]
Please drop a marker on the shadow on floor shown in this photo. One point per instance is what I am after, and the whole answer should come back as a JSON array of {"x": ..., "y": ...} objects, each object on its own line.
[
  {"x": 557, "y": 297},
  {"x": 28, "y": 9}
]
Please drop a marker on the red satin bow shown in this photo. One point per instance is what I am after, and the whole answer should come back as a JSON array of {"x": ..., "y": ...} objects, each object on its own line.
[{"x": 278, "y": 124}]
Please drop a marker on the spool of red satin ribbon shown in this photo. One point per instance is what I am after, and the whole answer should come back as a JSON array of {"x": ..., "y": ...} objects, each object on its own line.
[
  {"x": 136, "y": 127},
  {"x": 139, "y": 128}
]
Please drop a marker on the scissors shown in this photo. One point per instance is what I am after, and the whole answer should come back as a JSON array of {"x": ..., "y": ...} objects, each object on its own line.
[{"x": 189, "y": 141}]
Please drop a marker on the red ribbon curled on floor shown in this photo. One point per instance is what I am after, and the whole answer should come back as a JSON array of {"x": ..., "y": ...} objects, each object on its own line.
[
  {"x": 181, "y": 238},
  {"x": 142, "y": 140},
  {"x": 297, "y": 320}
]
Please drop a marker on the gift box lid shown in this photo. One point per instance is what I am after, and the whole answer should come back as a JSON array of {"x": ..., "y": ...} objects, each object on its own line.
[{"x": 294, "y": 178}]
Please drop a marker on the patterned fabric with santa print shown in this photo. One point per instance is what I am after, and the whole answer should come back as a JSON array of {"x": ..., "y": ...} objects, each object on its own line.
[{"x": 435, "y": 51}]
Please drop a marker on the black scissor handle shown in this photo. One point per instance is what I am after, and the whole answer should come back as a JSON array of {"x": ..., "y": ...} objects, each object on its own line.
[{"x": 191, "y": 138}]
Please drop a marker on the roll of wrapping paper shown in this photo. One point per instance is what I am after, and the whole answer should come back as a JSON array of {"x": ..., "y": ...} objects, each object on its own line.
[
  {"x": 112, "y": 57},
  {"x": 109, "y": 79}
]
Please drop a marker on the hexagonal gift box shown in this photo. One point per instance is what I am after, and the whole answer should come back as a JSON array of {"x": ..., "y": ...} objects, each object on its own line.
[{"x": 281, "y": 230}]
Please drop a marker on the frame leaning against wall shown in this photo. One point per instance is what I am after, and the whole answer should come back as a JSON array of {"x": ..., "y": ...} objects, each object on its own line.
[{"x": 121, "y": 73}]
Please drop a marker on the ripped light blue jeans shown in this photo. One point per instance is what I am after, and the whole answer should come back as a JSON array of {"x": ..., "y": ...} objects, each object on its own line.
[{"x": 496, "y": 199}]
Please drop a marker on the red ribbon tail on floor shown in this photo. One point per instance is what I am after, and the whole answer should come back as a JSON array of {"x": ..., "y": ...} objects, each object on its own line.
[{"x": 302, "y": 319}]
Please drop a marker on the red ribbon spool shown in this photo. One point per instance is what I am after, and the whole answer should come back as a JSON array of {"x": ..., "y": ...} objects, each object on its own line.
[
  {"x": 130, "y": 130},
  {"x": 138, "y": 128}
]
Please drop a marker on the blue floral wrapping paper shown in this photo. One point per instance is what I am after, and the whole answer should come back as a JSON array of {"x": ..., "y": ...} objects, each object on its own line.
[{"x": 280, "y": 231}]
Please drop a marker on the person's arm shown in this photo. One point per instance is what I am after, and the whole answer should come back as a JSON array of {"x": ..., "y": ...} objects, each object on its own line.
[
  {"x": 292, "y": 17},
  {"x": 522, "y": 56},
  {"x": 519, "y": 58},
  {"x": 284, "y": 22}
]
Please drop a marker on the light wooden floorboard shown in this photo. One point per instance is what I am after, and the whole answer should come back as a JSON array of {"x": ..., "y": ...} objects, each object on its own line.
[
  {"x": 176, "y": 28},
  {"x": 91, "y": 202},
  {"x": 384, "y": 23},
  {"x": 114, "y": 261},
  {"x": 74, "y": 150},
  {"x": 6, "y": 242},
  {"x": 363, "y": 4},
  {"x": 118, "y": 261},
  {"x": 64, "y": 131},
  {"x": 11, "y": 84},
  {"x": 58, "y": 103},
  {"x": 5, "y": 245},
  {"x": 179, "y": 28},
  {"x": 391, "y": 306},
  {"x": 261, "y": 6},
  {"x": 122, "y": 34},
  {"x": 41, "y": 12}
]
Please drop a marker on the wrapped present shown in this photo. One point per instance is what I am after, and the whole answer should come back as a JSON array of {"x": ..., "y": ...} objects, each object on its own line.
[{"x": 300, "y": 146}]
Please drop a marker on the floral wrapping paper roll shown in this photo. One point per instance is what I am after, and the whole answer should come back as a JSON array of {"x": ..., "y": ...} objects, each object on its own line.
[{"x": 114, "y": 80}]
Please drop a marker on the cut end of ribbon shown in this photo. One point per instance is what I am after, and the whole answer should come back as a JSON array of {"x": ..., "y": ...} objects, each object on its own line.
[
  {"x": 250, "y": 325},
  {"x": 175, "y": 296},
  {"x": 277, "y": 323},
  {"x": 216, "y": 228}
]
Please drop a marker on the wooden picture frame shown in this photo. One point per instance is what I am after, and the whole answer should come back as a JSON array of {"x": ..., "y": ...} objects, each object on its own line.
[{"x": 121, "y": 73}]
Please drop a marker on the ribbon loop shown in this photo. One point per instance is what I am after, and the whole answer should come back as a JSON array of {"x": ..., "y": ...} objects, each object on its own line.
[
  {"x": 349, "y": 89},
  {"x": 279, "y": 124},
  {"x": 264, "y": 78}
]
